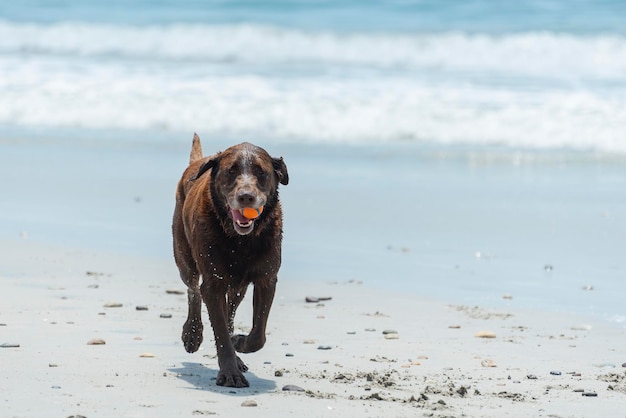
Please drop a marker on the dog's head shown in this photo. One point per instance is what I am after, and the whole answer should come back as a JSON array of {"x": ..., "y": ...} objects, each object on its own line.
[{"x": 245, "y": 176}]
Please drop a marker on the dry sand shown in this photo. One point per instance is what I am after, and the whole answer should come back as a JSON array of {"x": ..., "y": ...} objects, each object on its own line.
[{"x": 57, "y": 300}]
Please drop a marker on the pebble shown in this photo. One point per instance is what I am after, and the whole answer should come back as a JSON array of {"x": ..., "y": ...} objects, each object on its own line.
[
  {"x": 531, "y": 377},
  {"x": 324, "y": 347},
  {"x": 454, "y": 326},
  {"x": 370, "y": 329},
  {"x": 175, "y": 292},
  {"x": 146, "y": 355},
  {"x": 485, "y": 334},
  {"x": 96, "y": 341},
  {"x": 507, "y": 297},
  {"x": 548, "y": 267},
  {"x": 555, "y": 373},
  {"x": 311, "y": 299},
  {"x": 9, "y": 345},
  {"x": 278, "y": 373},
  {"x": 288, "y": 355},
  {"x": 623, "y": 364},
  {"x": 390, "y": 331},
  {"x": 292, "y": 388},
  {"x": 309, "y": 341},
  {"x": 588, "y": 287},
  {"x": 52, "y": 365},
  {"x": 165, "y": 315},
  {"x": 354, "y": 332},
  {"x": 488, "y": 363},
  {"x": 141, "y": 308},
  {"x": 579, "y": 390},
  {"x": 590, "y": 394},
  {"x": 56, "y": 387},
  {"x": 249, "y": 403},
  {"x": 113, "y": 305},
  {"x": 392, "y": 336}
]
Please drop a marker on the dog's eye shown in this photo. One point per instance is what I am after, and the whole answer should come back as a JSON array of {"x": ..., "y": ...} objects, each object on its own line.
[{"x": 260, "y": 173}]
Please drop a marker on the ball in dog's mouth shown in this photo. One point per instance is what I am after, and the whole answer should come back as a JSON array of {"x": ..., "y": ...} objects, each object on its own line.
[{"x": 242, "y": 224}]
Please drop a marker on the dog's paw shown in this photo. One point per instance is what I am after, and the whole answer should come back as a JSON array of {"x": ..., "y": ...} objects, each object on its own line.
[
  {"x": 247, "y": 343},
  {"x": 192, "y": 335},
  {"x": 232, "y": 379},
  {"x": 241, "y": 365}
]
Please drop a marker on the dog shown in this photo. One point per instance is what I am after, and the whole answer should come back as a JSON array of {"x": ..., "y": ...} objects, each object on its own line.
[{"x": 220, "y": 252}]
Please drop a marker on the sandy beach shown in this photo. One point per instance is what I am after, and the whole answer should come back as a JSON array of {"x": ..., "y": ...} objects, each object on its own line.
[{"x": 85, "y": 243}]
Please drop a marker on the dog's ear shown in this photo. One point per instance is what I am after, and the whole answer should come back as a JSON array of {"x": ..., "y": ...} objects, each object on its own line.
[
  {"x": 281, "y": 170},
  {"x": 211, "y": 164}
]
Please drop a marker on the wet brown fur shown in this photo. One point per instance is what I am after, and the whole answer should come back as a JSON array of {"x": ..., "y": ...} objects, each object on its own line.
[{"x": 215, "y": 261}]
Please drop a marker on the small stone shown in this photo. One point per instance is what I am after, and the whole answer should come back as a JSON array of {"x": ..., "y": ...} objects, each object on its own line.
[
  {"x": 488, "y": 363},
  {"x": 288, "y": 355},
  {"x": 325, "y": 298},
  {"x": 485, "y": 334},
  {"x": 416, "y": 363},
  {"x": 392, "y": 336},
  {"x": 311, "y": 299},
  {"x": 96, "y": 341},
  {"x": 52, "y": 365},
  {"x": 165, "y": 315},
  {"x": 422, "y": 357},
  {"x": 141, "y": 308},
  {"x": 548, "y": 267},
  {"x": 249, "y": 403},
  {"x": 590, "y": 394},
  {"x": 292, "y": 388},
  {"x": 137, "y": 338},
  {"x": 555, "y": 373},
  {"x": 454, "y": 326},
  {"x": 175, "y": 292},
  {"x": 146, "y": 355},
  {"x": 309, "y": 342},
  {"x": 389, "y": 331},
  {"x": 623, "y": 364},
  {"x": 509, "y": 297},
  {"x": 370, "y": 329},
  {"x": 278, "y": 373},
  {"x": 113, "y": 305},
  {"x": 9, "y": 345},
  {"x": 56, "y": 387},
  {"x": 324, "y": 347},
  {"x": 284, "y": 344},
  {"x": 588, "y": 287},
  {"x": 579, "y": 390},
  {"x": 354, "y": 332},
  {"x": 531, "y": 377}
]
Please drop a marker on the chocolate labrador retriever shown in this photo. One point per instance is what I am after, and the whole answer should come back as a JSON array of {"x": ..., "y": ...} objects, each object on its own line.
[{"x": 216, "y": 239}]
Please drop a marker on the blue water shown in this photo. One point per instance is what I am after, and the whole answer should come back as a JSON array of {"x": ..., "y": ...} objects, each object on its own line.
[{"x": 531, "y": 74}]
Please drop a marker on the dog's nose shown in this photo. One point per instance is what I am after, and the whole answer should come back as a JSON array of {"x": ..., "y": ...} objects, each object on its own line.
[{"x": 246, "y": 199}]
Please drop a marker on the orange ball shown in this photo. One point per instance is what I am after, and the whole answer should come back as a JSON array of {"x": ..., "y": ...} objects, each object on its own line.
[{"x": 252, "y": 213}]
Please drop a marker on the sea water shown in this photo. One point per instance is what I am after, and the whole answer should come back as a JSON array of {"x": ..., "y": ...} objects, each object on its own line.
[
  {"x": 459, "y": 150},
  {"x": 533, "y": 73}
]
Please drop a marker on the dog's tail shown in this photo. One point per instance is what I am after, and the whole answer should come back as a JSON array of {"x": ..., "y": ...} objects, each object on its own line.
[{"x": 196, "y": 149}]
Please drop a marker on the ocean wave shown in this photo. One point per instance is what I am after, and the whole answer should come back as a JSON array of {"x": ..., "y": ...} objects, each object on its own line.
[
  {"x": 319, "y": 86},
  {"x": 536, "y": 53}
]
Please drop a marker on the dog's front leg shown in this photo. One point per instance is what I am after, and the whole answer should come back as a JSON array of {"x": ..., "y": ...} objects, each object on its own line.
[
  {"x": 262, "y": 302},
  {"x": 230, "y": 373}
]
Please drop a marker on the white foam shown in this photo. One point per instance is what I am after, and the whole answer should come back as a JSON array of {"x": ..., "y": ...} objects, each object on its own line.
[{"x": 529, "y": 90}]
